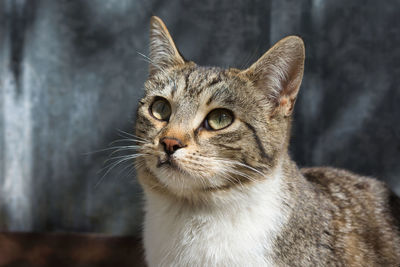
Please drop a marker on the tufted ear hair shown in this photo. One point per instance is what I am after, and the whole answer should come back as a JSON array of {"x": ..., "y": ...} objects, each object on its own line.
[
  {"x": 279, "y": 73},
  {"x": 163, "y": 52}
]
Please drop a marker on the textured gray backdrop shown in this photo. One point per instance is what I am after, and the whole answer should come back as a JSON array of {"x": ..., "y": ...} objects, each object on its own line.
[{"x": 70, "y": 76}]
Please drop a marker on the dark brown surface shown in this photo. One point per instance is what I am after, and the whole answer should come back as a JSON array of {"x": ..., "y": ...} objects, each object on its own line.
[{"x": 43, "y": 249}]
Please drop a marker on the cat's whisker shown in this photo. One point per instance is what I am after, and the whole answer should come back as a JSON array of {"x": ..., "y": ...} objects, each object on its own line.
[
  {"x": 122, "y": 170},
  {"x": 112, "y": 165},
  {"x": 232, "y": 179},
  {"x": 228, "y": 170},
  {"x": 235, "y": 171},
  {"x": 245, "y": 175},
  {"x": 139, "y": 162},
  {"x": 235, "y": 163},
  {"x": 132, "y": 156},
  {"x": 239, "y": 173},
  {"x": 229, "y": 167},
  {"x": 250, "y": 168},
  {"x": 125, "y": 148},
  {"x": 202, "y": 180},
  {"x": 115, "y": 147},
  {"x": 132, "y": 139},
  {"x": 131, "y": 170},
  {"x": 129, "y": 140},
  {"x": 130, "y": 135}
]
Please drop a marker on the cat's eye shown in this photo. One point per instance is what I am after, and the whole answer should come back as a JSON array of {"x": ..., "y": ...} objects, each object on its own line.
[
  {"x": 161, "y": 109},
  {"x": 218, "y": 119}
]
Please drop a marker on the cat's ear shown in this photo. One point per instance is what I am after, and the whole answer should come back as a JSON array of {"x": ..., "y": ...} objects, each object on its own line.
[
  {"x": 163, "y": 52},
  {"x": 279, "y": 73}
]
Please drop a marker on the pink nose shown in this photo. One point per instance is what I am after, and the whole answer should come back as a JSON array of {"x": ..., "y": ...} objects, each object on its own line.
[{"x": 171, "y": 144}]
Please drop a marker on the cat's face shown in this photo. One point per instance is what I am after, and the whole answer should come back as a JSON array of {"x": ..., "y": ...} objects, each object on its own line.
[
  {"x": 214, "y": 122},
  {"x": 209, "y": 129}
]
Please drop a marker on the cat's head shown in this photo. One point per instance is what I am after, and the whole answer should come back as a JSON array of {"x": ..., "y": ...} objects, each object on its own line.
[{"x": 210, "y": 129}]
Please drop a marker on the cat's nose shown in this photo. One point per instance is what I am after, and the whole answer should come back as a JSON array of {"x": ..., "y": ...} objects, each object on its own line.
[{"x": 171, "y": 144}]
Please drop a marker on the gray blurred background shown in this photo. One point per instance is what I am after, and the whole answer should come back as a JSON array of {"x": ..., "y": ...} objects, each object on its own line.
[{"x": 70, "y": 77}]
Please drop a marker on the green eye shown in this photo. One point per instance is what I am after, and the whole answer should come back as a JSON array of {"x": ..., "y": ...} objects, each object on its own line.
[
  {"x": 161, "y": 109},
  {"x": 219, "y": 119}
]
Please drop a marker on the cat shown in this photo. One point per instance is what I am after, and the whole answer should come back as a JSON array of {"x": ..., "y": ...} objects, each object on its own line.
[{"x": 220, "y": 188}]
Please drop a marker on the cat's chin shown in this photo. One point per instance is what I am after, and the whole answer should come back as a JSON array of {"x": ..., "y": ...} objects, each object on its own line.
[{"x": 177, "y": 179}]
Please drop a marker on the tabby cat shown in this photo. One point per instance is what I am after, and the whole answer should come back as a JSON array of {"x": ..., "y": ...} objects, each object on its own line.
[{"x": 220, "y": 187}]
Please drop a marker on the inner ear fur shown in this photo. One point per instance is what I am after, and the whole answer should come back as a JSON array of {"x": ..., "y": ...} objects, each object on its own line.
[
  {"x": 279, "y": 73},
  {"x": 163, "y": 52}
]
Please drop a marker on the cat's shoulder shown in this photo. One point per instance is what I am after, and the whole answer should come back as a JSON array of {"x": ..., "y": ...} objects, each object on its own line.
[
  {"x": 348, "y": 185},
  {"x": 332, "y": 178}
]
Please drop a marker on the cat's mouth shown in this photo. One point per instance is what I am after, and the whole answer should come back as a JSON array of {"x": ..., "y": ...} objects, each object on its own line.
[
  {"x": 166, "y": 161},
  {"x": 170, "y": 163},
  {"x": 163, "y": 162}
]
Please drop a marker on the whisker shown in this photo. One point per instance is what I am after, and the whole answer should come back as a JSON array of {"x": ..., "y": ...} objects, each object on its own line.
[
  {"x": 139, "y": 162},
  {"x": 130, "y": 173},
  {"x": 131, "y": 156},
  {"x": 128, "y": 140},
  {"x": 236, "y": 172},
  {"x": 124, "y": 148},
  {"x": 112, "y": 165},
  {"x": 250, "y": 168},
  {"x": 110, "y": 148},
  {"x": 234, "y": 163},
  {"x": 131, "y": 135},
  {"x": 132, "y": 167},
  {"x": 229, "y": 163},
  {"x": 133, "y": 144},
  {"x": 233, "y": 179}
]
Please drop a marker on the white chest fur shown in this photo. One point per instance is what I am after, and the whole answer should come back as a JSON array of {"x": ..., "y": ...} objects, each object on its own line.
[{"x": 237, "y": 230}]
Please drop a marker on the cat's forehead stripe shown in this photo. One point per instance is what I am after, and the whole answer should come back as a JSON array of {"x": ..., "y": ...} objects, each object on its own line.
[
  {"x": 214, "y": 80},
  {"x": 194, "y": 82}
]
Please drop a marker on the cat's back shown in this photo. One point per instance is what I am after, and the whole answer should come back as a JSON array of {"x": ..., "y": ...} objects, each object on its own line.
[
  {"x": 363, "y": 195},
  {"x": 365, "y": 215}
]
